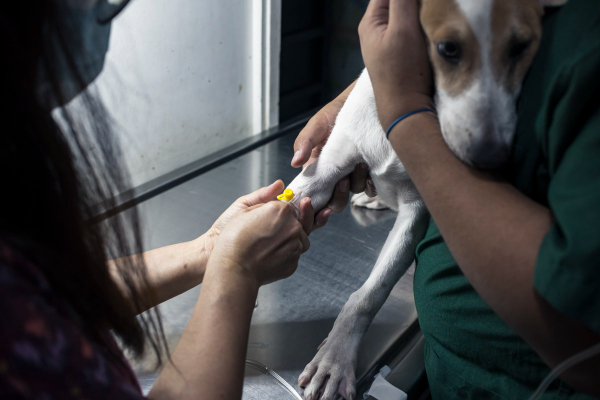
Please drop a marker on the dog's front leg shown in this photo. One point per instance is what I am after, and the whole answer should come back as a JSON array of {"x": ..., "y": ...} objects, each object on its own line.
[
  {"x": 317, "y": 180},
  {"x": 332, "y": 370}
]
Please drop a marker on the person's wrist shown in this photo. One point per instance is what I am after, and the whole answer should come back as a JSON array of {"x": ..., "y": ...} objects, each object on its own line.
[
  {"x": 228, "y": 269},
  {"x": 342, "y": 97},
  {"x": 415, "y": 125},
  {"x": 228, "y": 285},
  {"x": 339, "y": 101},
  {"x": 333, "y": 108},
  {"x": 201, "y": 249},
  {"x": 392, "y": 107}
]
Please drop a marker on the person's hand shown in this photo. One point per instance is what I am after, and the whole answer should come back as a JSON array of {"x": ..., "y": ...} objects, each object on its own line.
[
  {"x": 308, "y": 146},
  {"x": 395, "y": 54},
  {"x": 264, "y": 242},
  {"x": 260, "y": 196},
  {"x": 312, "y": 138}
]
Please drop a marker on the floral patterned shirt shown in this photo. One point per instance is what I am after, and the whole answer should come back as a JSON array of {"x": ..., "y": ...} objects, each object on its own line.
[{"x": 44, "y": 355}]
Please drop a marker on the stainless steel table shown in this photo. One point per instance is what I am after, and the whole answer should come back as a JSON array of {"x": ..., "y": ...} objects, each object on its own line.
[{"x": 295, "y": 315}]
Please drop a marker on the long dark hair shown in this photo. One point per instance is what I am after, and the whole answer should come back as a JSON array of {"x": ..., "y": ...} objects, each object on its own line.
[{"x": 52, "y": 180}]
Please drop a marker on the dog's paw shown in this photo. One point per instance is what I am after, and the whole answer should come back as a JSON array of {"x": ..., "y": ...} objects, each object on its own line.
[
  {"x": 372, "y": 203},
  {"x": 331, "y": 373}
]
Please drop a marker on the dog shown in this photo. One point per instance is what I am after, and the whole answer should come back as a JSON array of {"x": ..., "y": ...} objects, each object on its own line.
[{"x": 480, "y": 51}]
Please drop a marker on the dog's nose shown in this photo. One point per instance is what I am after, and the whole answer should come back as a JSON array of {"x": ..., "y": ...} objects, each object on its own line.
[{"x": 489, "y": 154}]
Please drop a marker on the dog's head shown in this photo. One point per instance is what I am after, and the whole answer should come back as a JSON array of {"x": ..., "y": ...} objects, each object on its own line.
[{"x": 480, "y": 51}]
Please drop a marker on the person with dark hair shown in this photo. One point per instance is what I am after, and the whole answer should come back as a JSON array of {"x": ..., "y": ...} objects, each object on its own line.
[{"x": 61, "y": 299}]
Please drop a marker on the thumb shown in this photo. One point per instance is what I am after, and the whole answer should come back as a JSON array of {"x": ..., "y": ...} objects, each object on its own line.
[
  {"x": 378, "y": 12},
  {"x": 264, "y": 195},
  {"x": 404, "y": 12}
]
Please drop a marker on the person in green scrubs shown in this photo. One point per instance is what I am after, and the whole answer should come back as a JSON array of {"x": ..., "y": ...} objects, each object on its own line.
[{"x": 507, "y": 283}]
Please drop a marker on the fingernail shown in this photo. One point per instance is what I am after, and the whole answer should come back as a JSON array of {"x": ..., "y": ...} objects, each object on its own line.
[
  {"x": 344, "y": 185},
  {"x": 363, "y": 166},
  {"x": 296, "y": 157},
  {"x": 327, "y": 213}
]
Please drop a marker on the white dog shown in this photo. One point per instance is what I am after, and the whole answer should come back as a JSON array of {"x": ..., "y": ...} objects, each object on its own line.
[{"x": 480, "y": 51}]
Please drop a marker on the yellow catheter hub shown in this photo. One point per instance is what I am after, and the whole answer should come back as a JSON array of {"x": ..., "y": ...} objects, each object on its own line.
[{"x": 287, "y": 195}]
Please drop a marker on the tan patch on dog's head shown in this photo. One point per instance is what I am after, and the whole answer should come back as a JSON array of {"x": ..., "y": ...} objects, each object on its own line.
[
  {"x": 480, "y": 51},
  {"x": 511, "y": 40},
  {"x": 516, "y": 35},
  {"x": 443, "y": 21}
]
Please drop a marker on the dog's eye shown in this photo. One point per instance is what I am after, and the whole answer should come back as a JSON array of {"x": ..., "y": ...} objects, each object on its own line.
[
  {"x": 450, "y": 51},
  {"x": 517, "y": 49}
]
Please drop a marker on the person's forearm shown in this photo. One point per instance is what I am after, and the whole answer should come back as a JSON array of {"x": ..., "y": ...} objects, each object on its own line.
[
  {"x": 494, "y": 232},
  {"x": 209, "y": 359},
  {"x": 172, "y": 270},
  {"x": 344, "y": 95}
]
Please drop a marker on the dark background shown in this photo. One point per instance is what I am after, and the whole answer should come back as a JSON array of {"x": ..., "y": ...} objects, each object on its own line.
[{"x": 320, "y": 52}]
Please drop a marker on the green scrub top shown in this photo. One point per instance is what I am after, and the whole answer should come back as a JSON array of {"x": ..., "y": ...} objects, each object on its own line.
[{"x": 470, "y": 352}]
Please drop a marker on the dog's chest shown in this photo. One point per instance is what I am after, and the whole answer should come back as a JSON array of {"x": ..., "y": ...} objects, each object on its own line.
[
  {"x": 389, "y": 175},
  {"x": 358, "y": 121}
]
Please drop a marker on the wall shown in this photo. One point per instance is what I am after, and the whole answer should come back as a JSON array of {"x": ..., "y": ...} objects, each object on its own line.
[{"x": 181, "y": 82}]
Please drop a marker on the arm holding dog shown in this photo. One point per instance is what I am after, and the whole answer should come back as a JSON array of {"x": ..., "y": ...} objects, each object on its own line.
[
  {"x": 312, "y": 138},
  {"x": 493, "y": 231}
]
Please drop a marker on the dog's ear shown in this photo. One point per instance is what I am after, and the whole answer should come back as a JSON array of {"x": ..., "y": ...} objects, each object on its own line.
[{"x": 553, "y": 3}]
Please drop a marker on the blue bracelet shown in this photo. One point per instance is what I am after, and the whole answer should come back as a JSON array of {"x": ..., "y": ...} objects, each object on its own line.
[{"x": 387, "y": 134}]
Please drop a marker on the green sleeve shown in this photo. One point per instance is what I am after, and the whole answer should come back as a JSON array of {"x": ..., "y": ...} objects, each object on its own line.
[{"x": 567, "y": 272}]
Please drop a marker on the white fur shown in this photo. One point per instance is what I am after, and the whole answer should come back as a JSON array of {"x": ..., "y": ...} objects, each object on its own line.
[
  {"x": 364, "y": 201},
  {"x": 456, "y": 112},
  {"x": 358, "y": 137},
  {"x": 483, "y": 101},
  {"x": 479, "y": 15}
]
